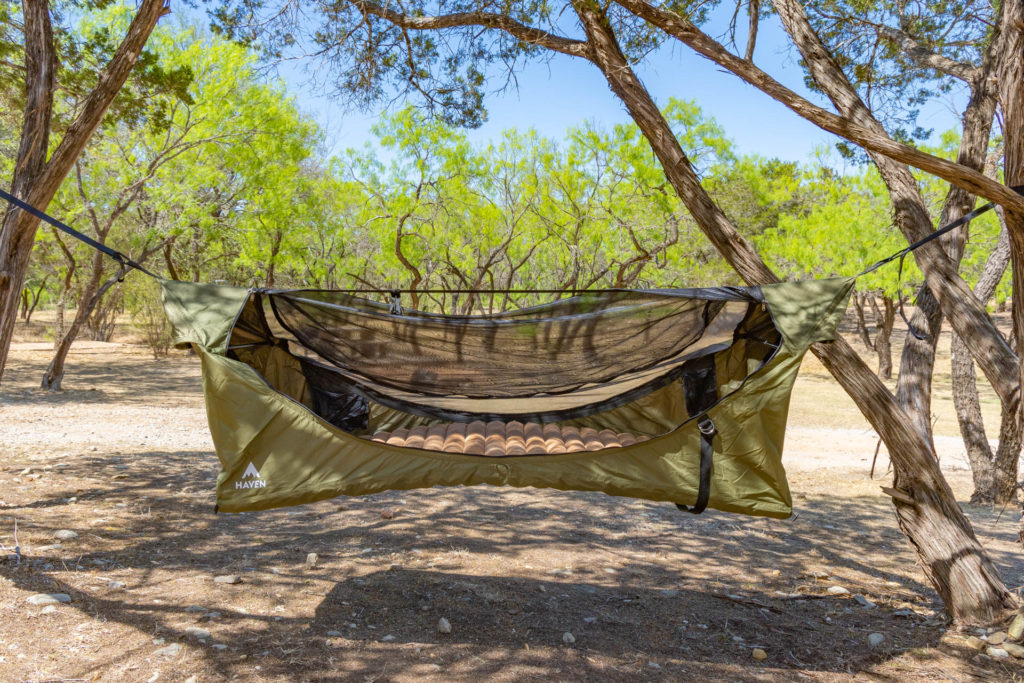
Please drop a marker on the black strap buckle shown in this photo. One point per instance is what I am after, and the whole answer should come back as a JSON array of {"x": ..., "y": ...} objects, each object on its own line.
[{"x": 706, "y": 426}]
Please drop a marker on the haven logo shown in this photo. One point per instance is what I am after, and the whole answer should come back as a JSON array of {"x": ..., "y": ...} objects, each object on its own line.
[{"x": 251, "y": 479}]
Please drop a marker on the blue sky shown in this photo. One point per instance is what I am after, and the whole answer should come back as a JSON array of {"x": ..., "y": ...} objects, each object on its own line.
[{"x": 553, "y": 96}]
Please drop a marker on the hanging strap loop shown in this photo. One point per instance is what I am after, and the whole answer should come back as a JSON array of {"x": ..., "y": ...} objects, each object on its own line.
[{"x": 396, "y": 302}]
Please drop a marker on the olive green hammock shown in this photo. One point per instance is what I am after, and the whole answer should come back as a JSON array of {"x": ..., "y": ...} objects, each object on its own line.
[
  {"x": 676, "y": 395},
  {"x": 668, "y": 395}
]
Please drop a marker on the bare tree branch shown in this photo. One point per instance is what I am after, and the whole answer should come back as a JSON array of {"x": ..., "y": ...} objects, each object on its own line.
[{"x": 527, "y": 34}]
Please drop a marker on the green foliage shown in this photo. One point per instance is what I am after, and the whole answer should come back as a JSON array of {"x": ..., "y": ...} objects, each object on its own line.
[
  {"x": 892, "y": 82},
  {"x": 843, "y": 226},
  {"x": 86, "y": 35},
  {"x": 526, "y": 212},
  {"x": 217, "y": 176}
]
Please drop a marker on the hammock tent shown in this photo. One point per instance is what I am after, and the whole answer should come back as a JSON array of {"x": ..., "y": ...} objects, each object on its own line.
[
  {"x": 669, "y": 395},
  {"x": 676, "y": 395}
]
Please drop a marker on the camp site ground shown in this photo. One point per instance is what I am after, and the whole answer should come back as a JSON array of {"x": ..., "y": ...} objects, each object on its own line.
[{"x": 535, "y": 585}]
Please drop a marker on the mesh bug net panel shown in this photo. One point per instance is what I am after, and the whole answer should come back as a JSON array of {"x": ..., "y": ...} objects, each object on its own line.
[
  {"x": 568, "y": 359},
  {"x": 552, "y": 349}
]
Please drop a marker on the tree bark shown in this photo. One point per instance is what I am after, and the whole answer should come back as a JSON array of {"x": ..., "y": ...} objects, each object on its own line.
[
  {"x": 858, "y": 300},
  {"x": 917, "y": 362},
  {"x": 971, "y": 421},
  {"x": 949, "y": 553},
  {"x": 1011, "y": 99},
  {"x": 885, "y": 319},
  {"x": 35, "y": 179},
  {"x": 40, "y": 80}
]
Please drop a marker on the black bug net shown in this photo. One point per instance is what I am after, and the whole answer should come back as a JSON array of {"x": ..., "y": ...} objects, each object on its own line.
[{"x": 563, "y": 360}]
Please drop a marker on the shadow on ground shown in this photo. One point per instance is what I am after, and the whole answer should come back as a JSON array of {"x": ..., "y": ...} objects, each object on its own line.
[{"x": 645, "y": 591}]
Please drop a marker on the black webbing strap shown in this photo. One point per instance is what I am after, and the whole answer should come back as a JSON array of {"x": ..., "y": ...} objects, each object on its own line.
[
  {"x": 902, "y": 253},
  {"x": 707, "y": 449},
  {"x": 700, "y": 391},
  {"x": 126, "y": 263}
]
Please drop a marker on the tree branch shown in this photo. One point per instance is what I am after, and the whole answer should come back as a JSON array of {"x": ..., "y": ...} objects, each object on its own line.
[
  {"x": 925, "y": 57},
  {"x": 687, "y": 33},
  {"x": 527, "y": 34},
  {"x": 753, "y": 9}
]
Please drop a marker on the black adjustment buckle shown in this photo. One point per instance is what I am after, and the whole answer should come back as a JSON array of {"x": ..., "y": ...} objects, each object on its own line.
[{"x": 706, "y": 426}]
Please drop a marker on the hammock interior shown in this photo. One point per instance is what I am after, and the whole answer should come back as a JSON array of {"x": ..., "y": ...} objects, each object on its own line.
[{"x": 597, "y": 371}]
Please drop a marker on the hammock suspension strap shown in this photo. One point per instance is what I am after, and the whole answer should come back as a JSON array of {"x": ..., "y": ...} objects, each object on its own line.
[
  {"x": 902, "y": 253},
  {"x": 700, "y": 392},
  {"x": 125, "y": 262}
]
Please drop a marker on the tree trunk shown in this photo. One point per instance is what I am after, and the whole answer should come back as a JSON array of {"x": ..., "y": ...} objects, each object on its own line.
[
  {"x": 972, "y": 425},
  {"x": 917, "y": 363},
  {"x": 36, "y": 295},
  {"x": 968, "y": 405},
  {"x": 90, "y": 296},
  {"x": 885, "y": 318},
  {"x": 949, "y": 553},
  {"x": 35, "y": 179},
  {"x": 1007, "y": 459},
  {"x": 862, "y": 325},
  {"x": 172, "y": 272},
  {"x": 1011, "y": 97},
  {"x": 15, "y": 241}
]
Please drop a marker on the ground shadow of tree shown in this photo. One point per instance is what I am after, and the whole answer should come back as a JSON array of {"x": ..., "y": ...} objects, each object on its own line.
[{"x": 635, "y": 582}]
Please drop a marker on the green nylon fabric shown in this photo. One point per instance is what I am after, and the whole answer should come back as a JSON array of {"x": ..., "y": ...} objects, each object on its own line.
[
  {"x": 275, "y": 452},
  {"x": 201, "y": 314}
]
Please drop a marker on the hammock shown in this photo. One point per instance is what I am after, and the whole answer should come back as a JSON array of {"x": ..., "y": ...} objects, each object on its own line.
[
  {"x": 668, "y": 395},
  {"x": 676, "y": 395}
]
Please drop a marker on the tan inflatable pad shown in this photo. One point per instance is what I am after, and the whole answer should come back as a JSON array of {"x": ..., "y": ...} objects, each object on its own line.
[{"x": 498, "y": 439}]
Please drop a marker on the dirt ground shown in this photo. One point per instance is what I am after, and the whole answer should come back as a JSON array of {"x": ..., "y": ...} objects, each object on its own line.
[{"x": 122, "y": 458}]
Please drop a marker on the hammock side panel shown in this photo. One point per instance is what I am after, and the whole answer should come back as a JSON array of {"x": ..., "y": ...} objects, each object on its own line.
[{"x": 301, "y": 458}]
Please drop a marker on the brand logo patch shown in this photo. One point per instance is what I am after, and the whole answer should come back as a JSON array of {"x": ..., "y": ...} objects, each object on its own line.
[{"x": 251, "y": 479}]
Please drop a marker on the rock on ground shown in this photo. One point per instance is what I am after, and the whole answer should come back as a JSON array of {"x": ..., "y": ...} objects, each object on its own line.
[{"x": 48, "y": 598}]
